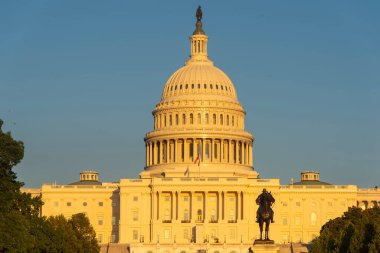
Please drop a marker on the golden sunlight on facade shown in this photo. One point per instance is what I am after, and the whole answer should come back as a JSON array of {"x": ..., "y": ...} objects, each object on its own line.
[{"x": 198, "y": 188}]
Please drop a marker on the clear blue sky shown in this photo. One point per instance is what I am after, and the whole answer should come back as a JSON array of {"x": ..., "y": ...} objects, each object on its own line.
[{"x": 79, "y": 79}]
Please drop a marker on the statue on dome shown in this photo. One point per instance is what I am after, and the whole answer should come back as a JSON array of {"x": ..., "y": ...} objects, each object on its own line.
[
  {"x": 264, "y": 213},
  {"x": 199, "y": 13}
]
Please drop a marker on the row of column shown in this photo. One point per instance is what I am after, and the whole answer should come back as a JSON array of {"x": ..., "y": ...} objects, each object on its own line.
[
  {"x": 365, "y": 204},
  {"x": 208, "y": 150},
  {"x": 221, "y": 207}
]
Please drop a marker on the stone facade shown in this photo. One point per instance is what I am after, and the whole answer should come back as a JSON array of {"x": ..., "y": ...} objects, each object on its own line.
[{"x": 198, "y": 188}]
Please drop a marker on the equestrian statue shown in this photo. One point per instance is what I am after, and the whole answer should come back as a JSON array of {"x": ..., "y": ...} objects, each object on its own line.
[{"x": 264, "y": 213}]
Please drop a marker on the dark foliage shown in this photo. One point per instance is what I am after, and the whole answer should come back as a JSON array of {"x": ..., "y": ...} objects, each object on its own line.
[
  {"x": 357, "y": 231},
  {"x": 21, "y": 227}
]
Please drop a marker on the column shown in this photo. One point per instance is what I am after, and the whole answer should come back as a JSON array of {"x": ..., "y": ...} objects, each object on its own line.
[
  {"x": 172, "y": 206},
  {"x": 246, "y": 153},
  {"x": 221, "y": 150},
  {"x": 219, "y": 206},
  {"x": 155, "y": 149},
  {"x": 185, "y": 151},
  {"x": 191, "y": 206},
  {"x": 194, "y": 149},
  {"x": 250, "y": 154},
  {"x": 203, "y": 149},
  {"x": 230, "y": 152},
  {"x": 146, "y": 154},
  {"x": 158, "y": 205},
  {"x": 175, "y": 158},
  {"x": 160, "y": 153},
  {"x": 151, "y": 153},
  {"x": 212, "y": 149},
  {"x": 204, "y": 205},
  {"x": 238, "y": 206}
]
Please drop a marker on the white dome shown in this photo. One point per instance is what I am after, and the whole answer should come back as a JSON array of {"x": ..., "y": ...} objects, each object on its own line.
[{"x": 199, "y": 79}]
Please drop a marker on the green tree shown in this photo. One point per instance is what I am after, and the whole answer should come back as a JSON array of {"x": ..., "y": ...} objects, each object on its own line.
[
  {"x": 21, "y": 227},
  {"x": 357, "y": 231}
]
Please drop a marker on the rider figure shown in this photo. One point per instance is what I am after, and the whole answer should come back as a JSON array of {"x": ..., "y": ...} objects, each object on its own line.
[{"x": 261, "y": 199}]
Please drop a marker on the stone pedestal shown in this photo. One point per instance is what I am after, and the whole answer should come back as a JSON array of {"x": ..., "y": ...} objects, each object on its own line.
[{"x": 265, "y": 246}]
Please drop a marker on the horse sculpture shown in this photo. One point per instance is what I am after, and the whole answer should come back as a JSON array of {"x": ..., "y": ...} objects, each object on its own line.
[{"x": 264, "y": 212}]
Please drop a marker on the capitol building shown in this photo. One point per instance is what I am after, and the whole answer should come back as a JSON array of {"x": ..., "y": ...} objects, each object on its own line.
[{"x": 198, "y": 188}]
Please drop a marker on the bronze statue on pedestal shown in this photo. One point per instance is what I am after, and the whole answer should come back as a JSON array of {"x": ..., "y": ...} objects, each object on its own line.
[{"x": 264, "y": 213}]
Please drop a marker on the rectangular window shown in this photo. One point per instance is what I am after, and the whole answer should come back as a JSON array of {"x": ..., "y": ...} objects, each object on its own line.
[
  {"x": 176, "y": 119},
  {"x": 113, "y": 203},
  {"x": 199, "y": 198},
  {"x": 100, "y": 238},
  {"x": 113, "y": 220},
  {"x": 166, "y": 233},
  {"x": 100, "y": 204},
  {"x": 113, "y": 238},
  {"x": 298, "y": 203},
  {"x": 199, "y": 118},
  {"x": 135, "y": 234},
  {"x": 185, "y": 234},
  {"x": 232, "y": 234},
  {"x": 186, "y": 198},
  {"x": 135, "y": 198},
  {"x": 55, "y": 203},
  {"x": 215, "y": 151},
  {"x": 68, "y": 204},
  {"x": 284, "y": 203},
  {"x": 186, "y": 215},
  {"x": 284, "y": 221},
  {"x": 100, "y": 220},
  {"x": 135, "y": 216}
]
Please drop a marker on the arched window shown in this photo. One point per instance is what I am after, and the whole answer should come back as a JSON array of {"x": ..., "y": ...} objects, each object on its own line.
[
  {"x": 211, "y": 86},
  {"x": 183, "y": 119},
  {"x": 176, "y": 119},
  {"x": 165, "y": 120},
  {"x": 205, "y": 86},
  {"x": 233, "y": 121},
  {"x": 221, "y": 119},
  {"x": 313, "y": 218},
  {"x": 191, "y": 119},
  {"x": 206, "y": 118},
  {"x": 180, "y": 87},
  {"x": 192, "y": 86},
  {"x": 199, "y": 118},
  {"x": 216, "y": 86},
  {"x": 175, "y": 88},
  {"x": 221, "y": 86},
  {"x": 214, "y": 119},
  {"x": 187, "y": 86},
  {"x": 228, "y": 120},
  {"x": 199, "y": 85},
  {"x": 170, "y": 120}
]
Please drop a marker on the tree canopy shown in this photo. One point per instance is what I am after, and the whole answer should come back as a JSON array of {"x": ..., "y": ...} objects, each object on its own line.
[
  {"x": 357, "y": 231},
  {"x": 21, "y": 227}
]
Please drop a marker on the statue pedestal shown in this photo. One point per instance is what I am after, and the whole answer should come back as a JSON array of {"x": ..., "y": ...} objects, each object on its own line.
[{"x": 265, "y": 246}]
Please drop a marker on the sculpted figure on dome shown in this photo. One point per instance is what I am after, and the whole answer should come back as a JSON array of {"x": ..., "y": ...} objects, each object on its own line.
[{"x": 199, "y": 13}]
